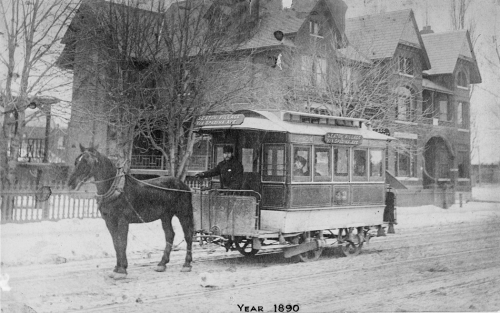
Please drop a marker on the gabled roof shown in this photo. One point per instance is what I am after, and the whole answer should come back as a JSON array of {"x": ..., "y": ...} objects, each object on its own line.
[
  {"x": 353, "y": 54},
  {"x": 430, "y": 85},
  {"x": 284, "y": 21},
  {"x": 378, "y": 35},
  {"x": 446, "y": 48}
]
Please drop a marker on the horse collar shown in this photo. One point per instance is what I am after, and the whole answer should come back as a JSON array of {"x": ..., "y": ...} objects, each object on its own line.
[{"x": 115, "y": 190}]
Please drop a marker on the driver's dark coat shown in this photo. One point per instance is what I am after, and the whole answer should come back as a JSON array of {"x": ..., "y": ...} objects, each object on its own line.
[{"x": 231, "y": 173}]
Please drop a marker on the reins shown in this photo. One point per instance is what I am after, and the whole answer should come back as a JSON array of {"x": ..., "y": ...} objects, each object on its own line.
[{"x": 157, "y": 187}]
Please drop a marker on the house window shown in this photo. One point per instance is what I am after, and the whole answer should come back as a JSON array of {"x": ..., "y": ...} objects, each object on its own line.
[
  {"x": 445, "y": 110},
  {"x": 201, "y": 158},
  {"x": 427, "y": 105},
  {"x": 60, "y": 143},
  {"x": 348, "y": 80},
  {"x": 443, "y": 164},
  {"x": 307, "y": 69},
  {"x": 462, "y": 79},
  {"x": 406, "y": 159},
  {"x": 462, "y": 115},
  {"x": 314, "y": 71},
  {"x": 320, "y": 71},
  {"x": 273, "y": 165},
  {"x": 463, "y": 162},
  {"x": 314, "y": 28},
  {"x": 405, "y": 66},
  {"x": 406, "y": 104}
]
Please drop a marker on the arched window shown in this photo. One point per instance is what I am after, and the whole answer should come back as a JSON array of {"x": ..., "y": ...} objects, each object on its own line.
[
  {"x": 406, "y": 104},
  {"x": 462, "y": 79}
]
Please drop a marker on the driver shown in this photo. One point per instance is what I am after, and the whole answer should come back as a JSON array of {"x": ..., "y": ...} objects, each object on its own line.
[{"x": 229, "y": 169}]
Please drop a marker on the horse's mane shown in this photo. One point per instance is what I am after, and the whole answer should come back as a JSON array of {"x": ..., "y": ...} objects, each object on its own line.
[{"x": 93, "y": 151}]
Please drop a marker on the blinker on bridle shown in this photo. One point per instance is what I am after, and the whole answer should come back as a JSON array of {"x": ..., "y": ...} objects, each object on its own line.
[{"x": 91, "y": 159}]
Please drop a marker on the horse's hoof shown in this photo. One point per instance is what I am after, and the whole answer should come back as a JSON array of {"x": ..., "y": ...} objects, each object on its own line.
[
  {"x": 186, "y": 269},
  {"x": 119, "y": 276},
  {"x": 112, "y": 275},
  {"x": 161, "y": 268}
]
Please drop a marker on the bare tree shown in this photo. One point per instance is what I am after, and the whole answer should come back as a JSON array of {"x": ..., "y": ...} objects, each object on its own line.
[
  {"x": 458, "y": 13},
  {"x": 163, "y": 67},
  {"x": 32, "y": 32},
  {"x": 339, "y": 80}
]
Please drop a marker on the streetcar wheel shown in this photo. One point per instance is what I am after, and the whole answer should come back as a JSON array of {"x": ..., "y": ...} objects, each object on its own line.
[
  {"x": 245, "y": 246},
  {"x": 351, "y": 248},
  {"x": 308, "y": 256}
]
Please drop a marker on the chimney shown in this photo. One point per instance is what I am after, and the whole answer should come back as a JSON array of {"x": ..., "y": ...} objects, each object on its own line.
[
  {"x": 303, "y": 7},
  {"x": 426, "y": 30},
  {"x": 254, "y": 10},
  {"x": 339, "y": 11}
]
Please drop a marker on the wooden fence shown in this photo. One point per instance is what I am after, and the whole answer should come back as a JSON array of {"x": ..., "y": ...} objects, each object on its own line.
[
  {"x": 19, "y": 204},
  {"x": 418, "y": 197}
]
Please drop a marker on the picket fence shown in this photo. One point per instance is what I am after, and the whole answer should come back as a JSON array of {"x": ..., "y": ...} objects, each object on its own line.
[{"x": 19, "y": 203}]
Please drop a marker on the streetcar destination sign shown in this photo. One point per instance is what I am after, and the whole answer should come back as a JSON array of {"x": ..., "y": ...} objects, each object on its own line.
[
  {"x": 220, "y": 120},
  {"x": 343, "y": 139}
]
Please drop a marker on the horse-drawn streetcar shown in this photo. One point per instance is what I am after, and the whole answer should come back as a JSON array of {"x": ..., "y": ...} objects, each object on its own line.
[{"x": 309, "y": 181}]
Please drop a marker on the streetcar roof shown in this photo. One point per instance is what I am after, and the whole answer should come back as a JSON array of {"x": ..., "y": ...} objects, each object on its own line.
[{"x": 282, "y": 121}]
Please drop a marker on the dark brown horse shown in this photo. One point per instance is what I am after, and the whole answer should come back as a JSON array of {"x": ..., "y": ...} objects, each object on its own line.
[{"x": 123, "y": 200}]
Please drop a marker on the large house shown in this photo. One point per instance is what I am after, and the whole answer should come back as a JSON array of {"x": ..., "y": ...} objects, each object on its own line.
[{"x": 428, "y": 102}]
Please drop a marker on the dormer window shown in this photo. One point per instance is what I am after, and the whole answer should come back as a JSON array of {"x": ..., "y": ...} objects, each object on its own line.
[
  {"x": 314, "y": 29},
  {"x": 462, "y": 80},
  {"x": 405, "y": 66}
]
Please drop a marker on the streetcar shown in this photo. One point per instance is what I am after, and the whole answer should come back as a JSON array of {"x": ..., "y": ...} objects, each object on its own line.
[{"x": 336, "y": 199}]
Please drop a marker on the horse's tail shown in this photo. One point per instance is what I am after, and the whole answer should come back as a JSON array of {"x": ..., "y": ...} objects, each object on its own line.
[{"x": 185, "y": 214}]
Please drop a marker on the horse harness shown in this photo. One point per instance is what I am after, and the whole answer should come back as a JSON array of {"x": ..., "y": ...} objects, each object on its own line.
[{"x": 115, "y": 191}]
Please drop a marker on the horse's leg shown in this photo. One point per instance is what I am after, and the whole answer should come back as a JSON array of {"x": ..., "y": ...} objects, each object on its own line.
[
  {"x": 166, "y": 223},
  {"x": 188, "y": 229},
  {"x": 118, "y": 229}
]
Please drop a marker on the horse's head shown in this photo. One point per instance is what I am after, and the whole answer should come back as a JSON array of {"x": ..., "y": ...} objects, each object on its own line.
[{"x": 86, "y": 167}]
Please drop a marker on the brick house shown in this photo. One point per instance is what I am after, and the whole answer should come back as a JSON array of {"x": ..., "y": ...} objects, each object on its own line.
[
  {"x": 441, "y": 68},
  {"x": 446, "y": 95},
  {"x": 436, "y": 88}
]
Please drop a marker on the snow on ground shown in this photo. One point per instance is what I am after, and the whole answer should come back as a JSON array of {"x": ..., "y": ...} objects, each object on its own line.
[
  {"x": 486, "y": 193},
  {"x": 81, "y": 239}
]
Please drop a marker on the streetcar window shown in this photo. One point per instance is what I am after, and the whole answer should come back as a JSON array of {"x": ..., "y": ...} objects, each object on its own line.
[
  {"x": 247, "y": 159},
  {"x": 219, "y": 156},
  {"x": 359, "y": 163},
  {"x": 273, "y": 165},
  {"x": 301, "y": 163},
  {"x": 322, "y": 164},
  {"x": 376, "y": 164},
  {"x": 341, "y": 163}
]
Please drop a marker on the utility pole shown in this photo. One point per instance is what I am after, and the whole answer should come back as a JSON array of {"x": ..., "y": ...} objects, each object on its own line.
[{"x": 479, "y": 166}]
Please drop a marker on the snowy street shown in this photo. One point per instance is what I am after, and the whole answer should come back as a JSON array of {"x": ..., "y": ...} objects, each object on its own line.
[{"x": 63, "y": 266}]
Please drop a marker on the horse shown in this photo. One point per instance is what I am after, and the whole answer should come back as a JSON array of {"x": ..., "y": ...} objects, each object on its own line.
[{"x": 123, "y": 200}]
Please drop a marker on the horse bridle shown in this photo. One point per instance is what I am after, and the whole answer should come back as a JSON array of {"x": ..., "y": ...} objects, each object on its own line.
[
  {"x": 116, "y": 188},
  {"x": 93, "y": 160}
]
